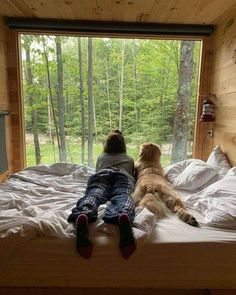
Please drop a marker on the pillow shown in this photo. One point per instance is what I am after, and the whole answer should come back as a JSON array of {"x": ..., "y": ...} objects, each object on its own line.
[
  {"x": 190, "y": 174},
  {"x": 218, "y": 160},
  {"x": 173, "y": 170},
  {"x": 231, "y": 172},
  {"x": 217, "y": 202}
]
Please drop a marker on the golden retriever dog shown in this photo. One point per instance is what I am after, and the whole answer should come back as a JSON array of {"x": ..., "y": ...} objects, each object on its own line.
[{"x": 152, "y": 190}]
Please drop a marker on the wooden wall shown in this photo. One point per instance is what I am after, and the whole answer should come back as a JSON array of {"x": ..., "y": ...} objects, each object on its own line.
[
  {"x": 203, "y": 142},
  {"x": 223, "y": 83},
  {"x": 10, "y": 99},
  {"x": 16, "y": 105},
  {"x": 4, "y": 96}
]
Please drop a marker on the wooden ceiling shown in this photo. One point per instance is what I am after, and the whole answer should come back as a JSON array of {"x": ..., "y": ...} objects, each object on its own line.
[{"x": 151, "y": 11}]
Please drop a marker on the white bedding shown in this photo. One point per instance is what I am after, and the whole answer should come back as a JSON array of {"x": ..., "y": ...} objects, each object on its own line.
[
  {"x": 210, "y": 187},
  {"x": 189, "y": 174},
  {"x": 38, "y": 200},
  {"x": 217, "y": 202}
]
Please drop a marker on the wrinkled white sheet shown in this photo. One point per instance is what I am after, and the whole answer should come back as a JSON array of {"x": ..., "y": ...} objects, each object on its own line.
[
  {"x": 217, "y": 203},
  {"x": 38, "y": 200}
]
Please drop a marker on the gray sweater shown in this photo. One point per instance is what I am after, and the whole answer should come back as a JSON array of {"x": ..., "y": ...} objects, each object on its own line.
[{"x": 121, "y": 162}]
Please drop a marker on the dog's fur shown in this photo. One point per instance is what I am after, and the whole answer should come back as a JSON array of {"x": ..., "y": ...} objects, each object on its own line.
[{"x": 152, "y": 191}]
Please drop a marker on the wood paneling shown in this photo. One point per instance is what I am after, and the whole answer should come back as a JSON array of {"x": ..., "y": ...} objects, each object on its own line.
[
  {"x": 4, "y": 99},
  {"x": 18, "y": 150},
  {"x": 113, "y": 291},
  {"x": 162, "y": 11},
  {"x": 10, "y": 99},
  {"x": 202, "y": 141},
  {"x": 104, "y": 291},
  {"x": 223, "y": 83}
]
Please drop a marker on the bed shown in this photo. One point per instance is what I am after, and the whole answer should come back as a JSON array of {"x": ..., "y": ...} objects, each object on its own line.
[{"x": 37, "y": 244}]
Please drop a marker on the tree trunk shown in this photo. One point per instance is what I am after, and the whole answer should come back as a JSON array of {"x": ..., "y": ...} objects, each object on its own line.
[
  {"x": 34, "y": 115},
  {"x": 181, "y": 128},
  {"x": 94, "y": 122},
  {"x": 136, "y": 99},
  {"x": 108, "y": 95},
  {"x": 121, "y": 86},
  {"x": 52, "y": 113},
  {"x": 90, "y": 103},
  {"x": 60, "y": 101},
  {"x": 50, "y": 121},
  {"x": 82, "y": 104}
]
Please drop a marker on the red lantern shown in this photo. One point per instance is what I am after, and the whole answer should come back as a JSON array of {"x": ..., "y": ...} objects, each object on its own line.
[{"x": 208, "y": 111}]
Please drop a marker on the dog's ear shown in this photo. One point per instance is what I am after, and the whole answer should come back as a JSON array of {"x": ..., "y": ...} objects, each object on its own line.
[
  {"x": 143, "y": 150},
  {"x": 149, "y": 151},
  {"x": 155, "y": 150},
  {"x": 158, "y": 149}
]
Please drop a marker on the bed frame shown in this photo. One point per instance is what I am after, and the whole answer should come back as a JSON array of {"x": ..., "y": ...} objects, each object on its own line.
[{"x": 35, "y": 269}]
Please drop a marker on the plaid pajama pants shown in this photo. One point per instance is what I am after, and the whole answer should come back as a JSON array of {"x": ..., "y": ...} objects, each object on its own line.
[{"x": 107, "y": 186}]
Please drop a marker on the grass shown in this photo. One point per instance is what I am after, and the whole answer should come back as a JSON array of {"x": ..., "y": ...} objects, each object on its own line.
[{"x": 48, "y": 156}]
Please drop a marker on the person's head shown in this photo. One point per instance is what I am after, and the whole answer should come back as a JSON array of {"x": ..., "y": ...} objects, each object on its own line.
[{"x": 115, "y": 143}]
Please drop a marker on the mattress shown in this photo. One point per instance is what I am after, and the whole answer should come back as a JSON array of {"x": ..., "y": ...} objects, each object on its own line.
[{"x": 37, "y": 245}]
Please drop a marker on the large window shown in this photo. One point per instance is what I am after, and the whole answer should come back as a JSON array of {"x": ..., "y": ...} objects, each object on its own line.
[{"x": 77, "y": 89}]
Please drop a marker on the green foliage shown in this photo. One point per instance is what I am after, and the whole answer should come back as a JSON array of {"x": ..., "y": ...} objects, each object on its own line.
[
  {"x": 75, "y": 153},
  {"x": 149, "y": 94}
]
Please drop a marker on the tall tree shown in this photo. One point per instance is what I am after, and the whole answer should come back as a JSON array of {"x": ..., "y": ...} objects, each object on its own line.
[
  {"x": 34, "y": 114},
  {"x": 181, "y": 123},
  {"x": 60, "y": 101},
  {"x": 108, "y": 93},
  {"x": 90, "y": 102},
  {"x": 51, "y": 107},
  {"x": 82, "y": 102},
  {"x": 121, "y": 84},
  {"x": 136, "y": 98}
]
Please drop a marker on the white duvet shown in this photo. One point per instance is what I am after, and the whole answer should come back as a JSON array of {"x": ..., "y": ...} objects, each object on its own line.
[
  {"x": 38, "y": 200},
  {"x": 217, "y": 202}
]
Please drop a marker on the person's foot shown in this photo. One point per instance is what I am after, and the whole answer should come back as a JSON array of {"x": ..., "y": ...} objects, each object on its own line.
[
  {"x": 127, "y": 241},
  {"x": 83, "y": 245}
]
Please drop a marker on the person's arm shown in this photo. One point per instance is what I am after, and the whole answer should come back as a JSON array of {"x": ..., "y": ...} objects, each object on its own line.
[
  {"x": 97, "y": 166},
  {"x": 133, "y": 168},
  {"x": 136, "y": 171},
  {"x": 97, "y": 163}
]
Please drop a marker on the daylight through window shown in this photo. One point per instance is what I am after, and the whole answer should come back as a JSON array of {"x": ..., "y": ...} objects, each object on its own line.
[{"x": 77, "y": 89}]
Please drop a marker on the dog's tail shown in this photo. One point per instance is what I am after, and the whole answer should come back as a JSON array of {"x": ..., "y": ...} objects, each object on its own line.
[
  {"x": 182, "y": 213},
  {"x": 153, "y": 203}
]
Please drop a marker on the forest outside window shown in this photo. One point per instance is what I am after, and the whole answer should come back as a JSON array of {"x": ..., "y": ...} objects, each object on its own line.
[{"x": 77, "y": 89}]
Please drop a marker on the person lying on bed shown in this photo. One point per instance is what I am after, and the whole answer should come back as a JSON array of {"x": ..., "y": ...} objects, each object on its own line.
[{"x": 113, "y": 184}]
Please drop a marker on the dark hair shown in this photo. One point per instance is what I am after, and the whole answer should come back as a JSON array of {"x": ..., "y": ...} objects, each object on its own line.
[{"x": 115, "y": 143}]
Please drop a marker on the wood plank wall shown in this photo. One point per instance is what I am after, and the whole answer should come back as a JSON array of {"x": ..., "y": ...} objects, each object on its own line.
[
  {"x": 16, "y": 105},
  {"x": 203, "y": 142},
  {"x": 4, "y": 97},
  {"x": 223, "y": 83},
  {"x": 10, "y": 99}
]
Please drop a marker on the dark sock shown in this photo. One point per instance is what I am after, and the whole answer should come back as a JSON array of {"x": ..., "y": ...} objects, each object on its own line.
[
  {"x": 127, "y": 240},
  {"x": 83, "y": 245}
]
